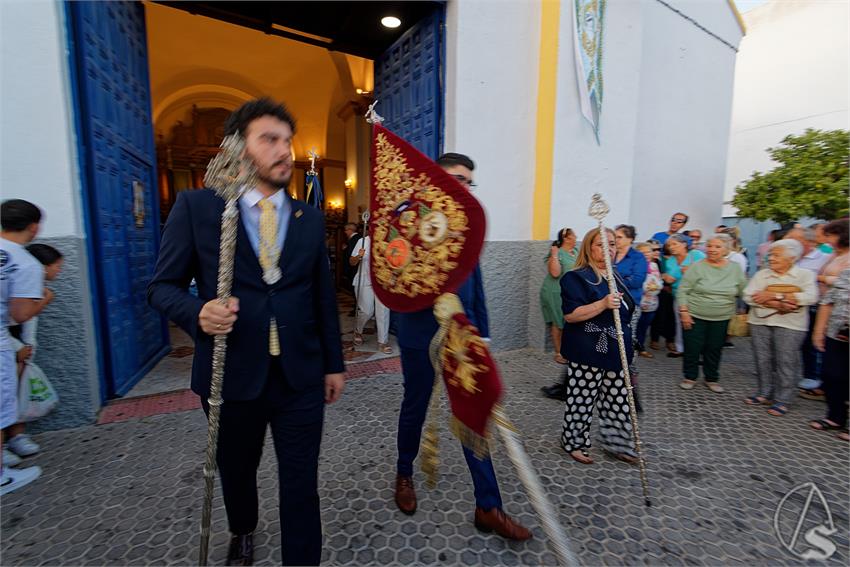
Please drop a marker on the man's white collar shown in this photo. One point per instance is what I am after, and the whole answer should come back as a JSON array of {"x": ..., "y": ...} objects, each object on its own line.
[{"x": 253, "y": 196}]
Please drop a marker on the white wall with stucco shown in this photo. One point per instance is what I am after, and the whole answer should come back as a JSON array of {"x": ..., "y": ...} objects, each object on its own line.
[
  {"x": 581, "y": 166},
  {"x": 793, "y": 73},
  {"x": 684, "y": 115},
  {"x": 37, "y": 151},
  {"x": 665, "y": 118},
  {"x": 492, "y": 51},
  {"x": 38, "y": 162}
]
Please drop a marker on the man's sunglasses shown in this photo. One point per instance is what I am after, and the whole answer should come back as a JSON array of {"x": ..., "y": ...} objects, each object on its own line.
[{"x": 680, "y": 221}]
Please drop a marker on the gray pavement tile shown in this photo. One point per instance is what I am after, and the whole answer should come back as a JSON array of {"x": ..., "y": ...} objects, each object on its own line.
[{"x": 130, "y": 493}]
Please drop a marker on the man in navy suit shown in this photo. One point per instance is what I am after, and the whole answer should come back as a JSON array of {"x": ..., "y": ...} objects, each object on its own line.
[
  {"x": 284, "y": 353},
  {"x": 415, "y": 331}
]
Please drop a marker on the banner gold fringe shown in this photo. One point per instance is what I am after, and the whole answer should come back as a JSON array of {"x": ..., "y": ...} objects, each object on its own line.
[{"x": 478, "y": 444}]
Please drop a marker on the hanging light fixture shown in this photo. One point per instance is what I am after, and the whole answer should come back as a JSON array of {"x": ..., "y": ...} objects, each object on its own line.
[{"x": 390, "y": 22}]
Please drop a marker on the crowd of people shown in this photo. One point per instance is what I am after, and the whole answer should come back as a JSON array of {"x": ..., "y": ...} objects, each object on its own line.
[
  {"x": 686, "y": 290},
  {"x": 285, "y": 359}
]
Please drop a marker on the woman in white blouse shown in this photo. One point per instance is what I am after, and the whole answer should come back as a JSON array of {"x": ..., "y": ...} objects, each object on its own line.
[{"x": 779, "y": 319}]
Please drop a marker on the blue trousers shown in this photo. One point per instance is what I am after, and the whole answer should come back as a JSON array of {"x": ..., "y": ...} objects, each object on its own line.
[{"x": 418, "y": 384}]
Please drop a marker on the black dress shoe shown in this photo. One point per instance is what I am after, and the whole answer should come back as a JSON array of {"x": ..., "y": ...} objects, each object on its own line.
[
  {"x": 241, "y": 550},
  {"x": 555, "y": 392}
]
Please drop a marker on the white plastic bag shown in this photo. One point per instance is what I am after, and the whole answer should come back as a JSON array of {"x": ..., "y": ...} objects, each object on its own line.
[{"x": 36, "y": 396}]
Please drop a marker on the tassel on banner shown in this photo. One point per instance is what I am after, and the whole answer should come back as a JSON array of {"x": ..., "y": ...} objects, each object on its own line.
[{"x": 478, "y": 444}]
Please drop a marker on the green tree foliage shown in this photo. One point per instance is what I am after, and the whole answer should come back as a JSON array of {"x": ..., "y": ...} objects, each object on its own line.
[{"x": 810, "y": 180}]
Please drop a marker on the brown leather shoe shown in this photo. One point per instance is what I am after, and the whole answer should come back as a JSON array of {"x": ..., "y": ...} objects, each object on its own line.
[
  {"x": 241, "y": 550},
  {"x": 496, "y": 520},
  {"x": 405, "y": 495}
]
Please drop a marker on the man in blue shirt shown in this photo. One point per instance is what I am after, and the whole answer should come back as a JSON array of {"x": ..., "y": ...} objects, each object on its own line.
[
  {"x": 677, "y": 223},
  {"x": 415, "y": 331}
]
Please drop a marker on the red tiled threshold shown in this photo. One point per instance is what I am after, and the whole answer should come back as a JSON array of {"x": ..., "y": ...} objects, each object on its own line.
[
  {"x": 185, "y": 400},
  {"x": 145, "y": 406},
  {"x": 373, "y": 368}
]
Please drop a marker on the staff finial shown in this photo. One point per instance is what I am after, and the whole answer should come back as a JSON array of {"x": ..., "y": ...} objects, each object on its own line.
[
  {"x": 599, "y": 209},
  {"x": 372, "y": 117},
  {"x": 313, "y": 157},
  {"x": 230, "y": 170}
]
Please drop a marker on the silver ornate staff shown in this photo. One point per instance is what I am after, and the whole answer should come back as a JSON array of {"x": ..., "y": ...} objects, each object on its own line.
[
  {"x": 228, "y": 173},
  {"x": 536, "y": 494},
  {"x": 598, "y": 210}
]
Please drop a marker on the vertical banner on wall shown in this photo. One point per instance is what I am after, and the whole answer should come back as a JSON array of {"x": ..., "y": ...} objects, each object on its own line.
[{"x": 588, "y": 17}]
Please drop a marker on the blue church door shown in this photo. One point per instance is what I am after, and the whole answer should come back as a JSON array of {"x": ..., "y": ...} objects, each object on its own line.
[
  {"x": 409, "y": 89},
  {"x": 115, "y": 137},
  {"x": 408, "y": 85}
]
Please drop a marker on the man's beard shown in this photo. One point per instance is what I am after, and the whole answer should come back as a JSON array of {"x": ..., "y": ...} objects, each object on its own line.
[{"x": 279, "y": 181}]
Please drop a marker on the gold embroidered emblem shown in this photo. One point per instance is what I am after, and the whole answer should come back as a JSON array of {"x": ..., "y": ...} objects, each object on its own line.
[
  {"x": 459, "y": 342},
  {"x": 418, "y": 229}
]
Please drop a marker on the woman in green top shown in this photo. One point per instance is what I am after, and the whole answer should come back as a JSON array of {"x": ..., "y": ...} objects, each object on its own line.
[
  {"x": 706, "y": 298},
  {"x": 561, "y": 259}
]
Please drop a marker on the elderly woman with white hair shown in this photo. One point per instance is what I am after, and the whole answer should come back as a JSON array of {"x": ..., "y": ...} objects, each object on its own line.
[
  {"x": 707, "y": 298},
  {"x": 779, "y": 319}
]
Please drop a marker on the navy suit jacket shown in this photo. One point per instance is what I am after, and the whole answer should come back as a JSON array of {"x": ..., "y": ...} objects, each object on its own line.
[
  {"x": 303, "y": 301},
  {"x": 415, "y": 330}
]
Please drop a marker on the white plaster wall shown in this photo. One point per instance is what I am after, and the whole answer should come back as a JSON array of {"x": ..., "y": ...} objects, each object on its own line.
[
  {"x": 684, "y": 113},
  {"x": 581, "y": 166},
  {"x": 793, "y": 73},
  {"x": 37, "y": 160},
  {"x": 492, "y": 52},
  {"x": 664, "y": 123}
]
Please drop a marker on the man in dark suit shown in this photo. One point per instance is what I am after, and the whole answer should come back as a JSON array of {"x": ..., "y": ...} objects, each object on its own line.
[
  {"x": 415, "y": 331},
  {"x": 284, "y": 353}
]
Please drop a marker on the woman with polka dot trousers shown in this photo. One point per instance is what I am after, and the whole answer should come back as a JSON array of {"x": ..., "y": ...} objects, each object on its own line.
[{"x": 594, "y": 373}]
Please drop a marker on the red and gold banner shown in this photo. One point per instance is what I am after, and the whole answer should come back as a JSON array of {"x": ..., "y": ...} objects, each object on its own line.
[
  {"x": 472, "y": 382},
  {"x": 427, "y": 229}
]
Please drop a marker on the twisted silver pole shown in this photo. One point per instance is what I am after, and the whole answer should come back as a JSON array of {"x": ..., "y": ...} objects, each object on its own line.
[
  {"x": 536, "y": 494},
  {"x": 598, "y": 210},
  {"x": 228, "y": 173}
]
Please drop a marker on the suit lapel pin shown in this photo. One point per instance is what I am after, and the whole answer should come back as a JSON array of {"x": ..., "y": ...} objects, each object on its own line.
[{"x": 298, "y": 214}]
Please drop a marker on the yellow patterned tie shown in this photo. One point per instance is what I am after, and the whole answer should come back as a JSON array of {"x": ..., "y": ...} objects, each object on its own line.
[{"x": 269, "y": 257}]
